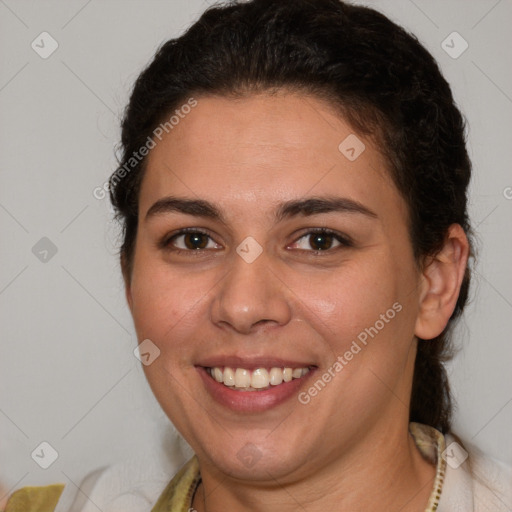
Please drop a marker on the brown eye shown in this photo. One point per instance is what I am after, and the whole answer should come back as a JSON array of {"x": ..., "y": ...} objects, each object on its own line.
[
  {"x": 195, "y": 240},
  {"x": 322, "y": 240},
  {"x": 190, "y": 241}
]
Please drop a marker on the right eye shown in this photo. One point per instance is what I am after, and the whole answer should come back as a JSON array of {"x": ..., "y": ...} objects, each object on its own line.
[{"x": 189, "y": 240}]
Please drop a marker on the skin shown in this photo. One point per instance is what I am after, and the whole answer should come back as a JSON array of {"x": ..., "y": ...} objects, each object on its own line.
[{"x": 349, "y": 447}]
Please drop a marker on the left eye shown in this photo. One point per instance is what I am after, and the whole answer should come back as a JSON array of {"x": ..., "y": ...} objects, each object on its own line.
[{"x": 320, "y": 241}]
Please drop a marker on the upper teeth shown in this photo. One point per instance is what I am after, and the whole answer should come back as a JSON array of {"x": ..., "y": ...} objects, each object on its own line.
[{"x": 256, "y": 379}]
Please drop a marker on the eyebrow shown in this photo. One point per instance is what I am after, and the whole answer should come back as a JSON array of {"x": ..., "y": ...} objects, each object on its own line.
[{"x": 288, "y": 209}]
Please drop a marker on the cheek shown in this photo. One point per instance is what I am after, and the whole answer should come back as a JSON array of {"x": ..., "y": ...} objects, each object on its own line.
[
  {"x": 165, "y": 302},
  {"x": 346, "y": 302},
  {"x": 168, "y": 307}
]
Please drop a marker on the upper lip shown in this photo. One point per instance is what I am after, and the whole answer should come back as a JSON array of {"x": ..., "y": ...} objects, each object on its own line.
[{"x": 251, "y": 363}]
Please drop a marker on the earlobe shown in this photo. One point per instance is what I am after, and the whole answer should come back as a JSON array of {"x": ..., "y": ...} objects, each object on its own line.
[{"x": 442, "y": 277}]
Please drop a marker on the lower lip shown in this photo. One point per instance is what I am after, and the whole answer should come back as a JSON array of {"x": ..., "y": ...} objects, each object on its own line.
[{"x": 251, "y": 401}]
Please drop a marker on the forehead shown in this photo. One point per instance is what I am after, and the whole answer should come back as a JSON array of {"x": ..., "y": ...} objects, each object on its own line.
[{"x": 265, "y": 149}]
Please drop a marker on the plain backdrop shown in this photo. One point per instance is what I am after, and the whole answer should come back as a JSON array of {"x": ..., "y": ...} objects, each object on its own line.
[{"x": 68, "y": 375}]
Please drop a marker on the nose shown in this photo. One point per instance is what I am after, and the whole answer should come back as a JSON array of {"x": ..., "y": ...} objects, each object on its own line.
[{"x": 251, "y": 296}]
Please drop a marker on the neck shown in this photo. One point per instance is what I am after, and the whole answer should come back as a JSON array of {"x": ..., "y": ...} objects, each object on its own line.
[{"x": 385, "y": 472}]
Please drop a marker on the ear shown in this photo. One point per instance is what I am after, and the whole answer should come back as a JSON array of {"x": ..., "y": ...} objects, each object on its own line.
[
  {"x": 440, "y": 284},
  {"x": 127, "y": 281}
]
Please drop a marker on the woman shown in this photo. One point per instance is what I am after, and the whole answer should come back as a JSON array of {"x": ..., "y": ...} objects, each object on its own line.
[{"x": 293, "y": 196}]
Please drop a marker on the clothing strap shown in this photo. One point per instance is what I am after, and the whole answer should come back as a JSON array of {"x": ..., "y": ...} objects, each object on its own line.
[{"x": 431, "y": 443}]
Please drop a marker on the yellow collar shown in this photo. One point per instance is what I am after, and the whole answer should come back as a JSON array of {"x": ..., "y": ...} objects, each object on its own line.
[{"x": 35, "y": 499}]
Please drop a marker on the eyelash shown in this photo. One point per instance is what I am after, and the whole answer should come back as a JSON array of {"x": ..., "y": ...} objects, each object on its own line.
[{"x": 344, "y": 241}]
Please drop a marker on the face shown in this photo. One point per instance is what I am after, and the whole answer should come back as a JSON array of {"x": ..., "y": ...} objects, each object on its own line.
[{"x": 266, "y": 243}]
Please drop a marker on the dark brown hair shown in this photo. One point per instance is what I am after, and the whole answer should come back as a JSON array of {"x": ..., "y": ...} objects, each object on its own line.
[{"x": 378, "y": 76}]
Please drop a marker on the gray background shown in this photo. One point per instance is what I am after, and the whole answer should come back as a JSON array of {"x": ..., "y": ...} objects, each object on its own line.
[{"x": 68, "y": 375}]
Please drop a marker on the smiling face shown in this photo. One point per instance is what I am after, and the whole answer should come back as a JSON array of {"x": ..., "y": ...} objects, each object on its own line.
[{"x": 295, "y": 257}]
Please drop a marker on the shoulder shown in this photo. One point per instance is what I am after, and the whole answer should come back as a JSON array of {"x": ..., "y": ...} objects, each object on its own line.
[
  {"x": 473, "y": 480},
  {"x": 133, "y": 485}
]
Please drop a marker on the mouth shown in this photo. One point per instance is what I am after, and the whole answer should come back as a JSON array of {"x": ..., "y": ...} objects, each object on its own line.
[
  {"x": 258, "y": 379},
  {"x": 256, "y": 386}
]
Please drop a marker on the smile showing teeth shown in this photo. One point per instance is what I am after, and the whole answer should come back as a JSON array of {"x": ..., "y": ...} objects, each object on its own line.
[{"x": 255, "y": 380}]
